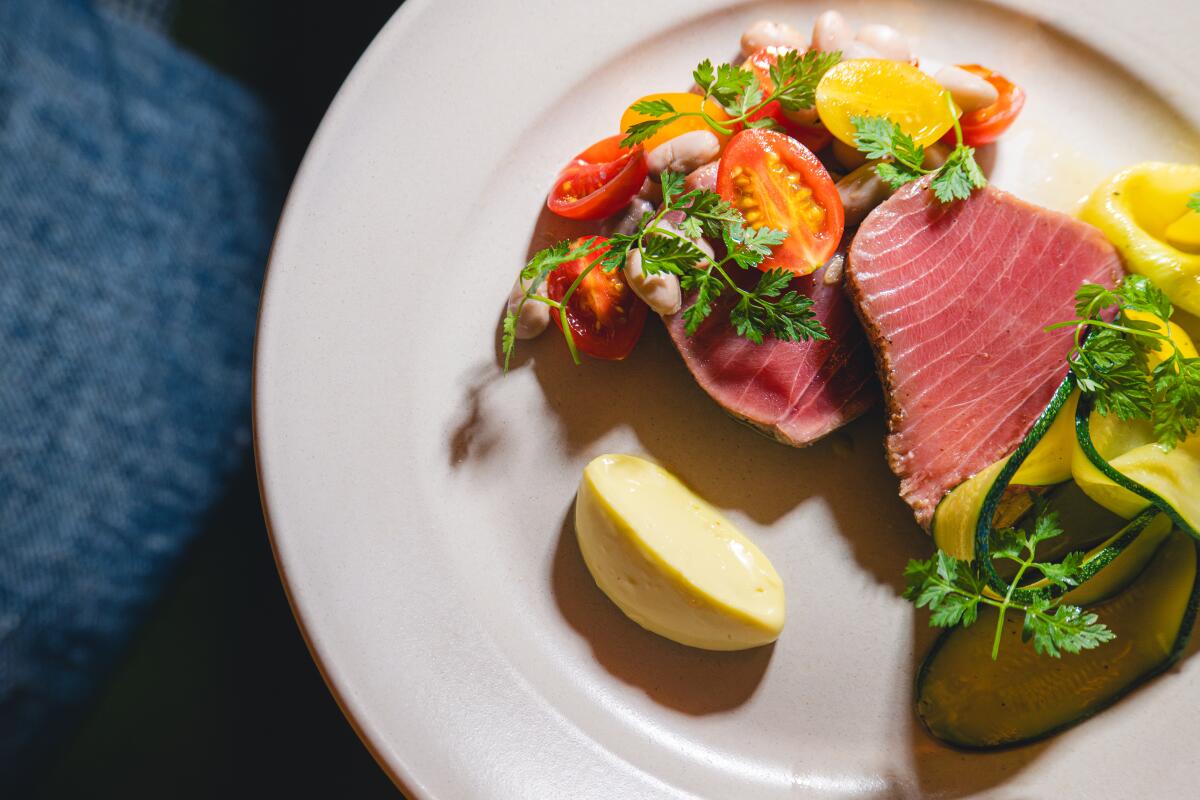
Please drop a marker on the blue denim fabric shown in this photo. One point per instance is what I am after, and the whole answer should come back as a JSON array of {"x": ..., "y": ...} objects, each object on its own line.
[{"x": 138, "y": 193}]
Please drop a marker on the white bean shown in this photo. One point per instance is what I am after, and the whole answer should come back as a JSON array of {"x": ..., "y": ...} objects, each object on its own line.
[
  {"x": 889, "y": 42},
  {"x": 847, "y": 156},
  {"x": 534, "y": 316},
  {"x": 684, "y": 153},
  {"x": 831, "y": 32},
  {"x": 766, "y": 33},
  {"x": 651, "y": 190},
  {"x": 861, "y": 191},
  {"x": 660, "y": 291},
  {"x": 704, "y": 177},
  {"x": 835, "y": 267},
  {"x": 856, "y": 50},
  {"x": 970, "y": 92}
]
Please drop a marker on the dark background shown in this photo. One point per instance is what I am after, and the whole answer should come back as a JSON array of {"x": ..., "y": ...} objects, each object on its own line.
[{"x": 217, "y": 696}]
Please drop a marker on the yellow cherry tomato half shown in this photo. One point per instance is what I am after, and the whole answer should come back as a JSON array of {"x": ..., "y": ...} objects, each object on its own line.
[
  {"x": 682, "y": 102},
  {"x": 872, "y": 87}
]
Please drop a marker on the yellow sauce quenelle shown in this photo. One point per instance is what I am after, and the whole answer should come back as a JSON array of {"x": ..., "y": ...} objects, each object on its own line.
[
  {"x": 872, "y": 87},
  {"x": 1143, "y": 212},
  {"x": 671, "y": 561}
]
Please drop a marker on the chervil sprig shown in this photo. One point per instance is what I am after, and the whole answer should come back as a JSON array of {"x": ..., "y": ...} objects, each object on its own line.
[
  {"x": 794, "y": 79},
  {"x": 1194, "y": 202},
  {"x": 533, "y": 275},
  {"x": 770, "y": 308},
  {"x": 1113, "y": 361},
  {"x": 765, "y": 310},
  {"x": 903, "y": 159},
  {"x": 953, "y": 590}
]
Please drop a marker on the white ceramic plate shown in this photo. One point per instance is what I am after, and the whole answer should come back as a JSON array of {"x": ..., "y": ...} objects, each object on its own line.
[{"x": 420, "y": 504}]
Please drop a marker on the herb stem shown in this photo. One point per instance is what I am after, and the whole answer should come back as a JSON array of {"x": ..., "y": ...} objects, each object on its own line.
[
  {"x": 540, "y": 299},
  {"x": 958, "y": 134},
  {"x": 1099, "y": 323},
  {"x": 719, "y": 127},
  {"x": 562, "y": 311},
  {"x": 1025, "y": 564},
  {"x": 720, "y": 267}
]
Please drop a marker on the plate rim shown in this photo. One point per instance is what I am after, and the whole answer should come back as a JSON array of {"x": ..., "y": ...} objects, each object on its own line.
[{"x": 400, "y": 774}]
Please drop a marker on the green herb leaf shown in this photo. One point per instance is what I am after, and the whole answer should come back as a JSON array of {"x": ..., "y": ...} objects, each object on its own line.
[
  {"x": 1067, "y": 629},
  {"x": 796, "y": 75},
  {"x": 1194, "y": 202},
  {"x": 546, "y": 261},
  {"x": 768, "y": 123},
  {"x": 895, "y": 174},
  {"x": 958, "y": 177},
  {"x": 953, "y": 591},
  {"x": 509, "y": 338},
  {"x": 1045, "y": 525},
  {"x": 1140, "y": 293},
  {"x": 1008, "y": 543},
  {"x": 670, "y": 253},
  {"x": 788, "y": 318},
  {"x": 1065, "y": 573},
  {"x": 773, "y": 282},
  {"x": 672, "y": 186},
  {"x": 704, "y": 74},
  {"x": 955, "y": 609},
  {"x": 708, "y": 288},
  {"x": 880, "y": 138},
  {"x": 1091, "y": 297},
  {"x": 748, "y": 100},
  {"x": 614, "y": 257},
  {"x": 1112, "y": 364},
  {"x": 762, "y": 240},
  {"x": 653, "y": 108},
  {"x": 730, "y": 82},
  {"x": 713, "y": 212},
  {"x": 1176, "y": 409},
  {"x": 639, "y": 132}
]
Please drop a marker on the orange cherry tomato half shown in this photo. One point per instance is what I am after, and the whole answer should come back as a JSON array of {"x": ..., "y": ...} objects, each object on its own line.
[
  {"x": 986, "y": 125},
  {"x": 776, "y": 182},
  {"x": 681, "y": 102},
  {"x": 814, "y": 137},
  {"x": 598, "y": 182},
  {"x": 605, "y": 316}
]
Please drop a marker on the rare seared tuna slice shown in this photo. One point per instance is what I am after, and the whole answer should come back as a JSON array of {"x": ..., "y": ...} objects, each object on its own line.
[
  {"x": 795, "y": 392},
  {"x": 955, "y": 299}
]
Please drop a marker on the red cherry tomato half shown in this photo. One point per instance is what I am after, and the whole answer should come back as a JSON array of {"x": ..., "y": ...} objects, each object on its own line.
[
  {"x": 986, "y": 125},
  {"x": 776, "y": 182},
  {"x": 598, "y": 182},
  {"x": 814, "y": 137},
  {"x": 605, "y": 316}
]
